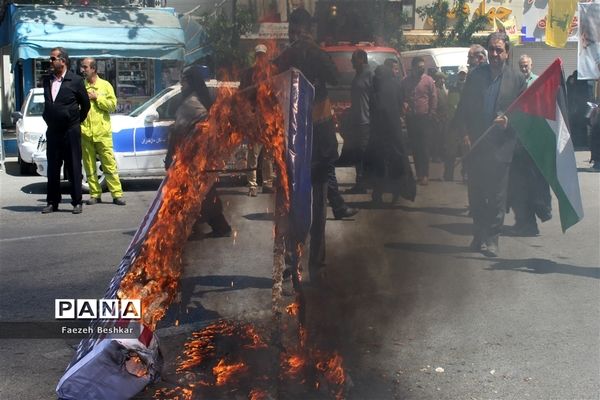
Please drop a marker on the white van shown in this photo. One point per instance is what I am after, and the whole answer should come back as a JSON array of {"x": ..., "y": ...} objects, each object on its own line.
[{"x": 445, "y": 59}]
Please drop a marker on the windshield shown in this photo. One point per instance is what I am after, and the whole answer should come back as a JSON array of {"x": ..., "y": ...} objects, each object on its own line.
[
  {"x": 451, "y": 73},
  {"x": 35, "y": 107},
  {"x": 143, "y": 107},
  {"x": 346, "y": 73}
]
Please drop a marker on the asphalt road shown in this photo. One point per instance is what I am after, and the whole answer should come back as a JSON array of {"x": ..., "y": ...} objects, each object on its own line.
[{"x": 414, "y": 314}]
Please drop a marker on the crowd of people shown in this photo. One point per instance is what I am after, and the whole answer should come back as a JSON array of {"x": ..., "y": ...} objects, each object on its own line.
[{"x": 444, "y": 122}]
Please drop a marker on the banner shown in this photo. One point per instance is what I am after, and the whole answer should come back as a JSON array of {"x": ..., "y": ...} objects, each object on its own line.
[
  {"x": 535, "y": 21},
  {"x": 510, "y": 28},
  {"x": 588, "y": 55},
  {"x": 558, "y": 24}
]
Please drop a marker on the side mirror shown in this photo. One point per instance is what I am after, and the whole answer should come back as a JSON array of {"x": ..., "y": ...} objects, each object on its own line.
[
  {"x": 17, "y": 115},
  {"x": 151, "y": 117}
]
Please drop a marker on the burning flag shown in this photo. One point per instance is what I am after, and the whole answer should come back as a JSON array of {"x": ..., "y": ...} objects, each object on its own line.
[
  {"x": 539, "y": 117},
  {"x": 107, "y": 368}
]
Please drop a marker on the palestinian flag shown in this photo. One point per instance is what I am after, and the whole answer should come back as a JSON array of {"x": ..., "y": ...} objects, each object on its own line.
[{"x": 539, "y": 117}]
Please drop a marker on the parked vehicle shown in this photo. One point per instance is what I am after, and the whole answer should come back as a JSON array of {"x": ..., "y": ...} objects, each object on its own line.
[
  {"x": 444, "y": 59},
  {"x": 30, "y": 126},
  {"x": 140, "y": 138},
  {"x": 341, "y": 54}
]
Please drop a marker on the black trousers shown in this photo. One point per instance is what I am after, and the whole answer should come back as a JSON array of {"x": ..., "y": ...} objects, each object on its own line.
[
  {"x": 528, "y": 192},
  {"x": 363, "y": 133},
  {"x": 419, "y": 134},
  {"x": 487, "y": 187},
  {"x": 316, "y": 259},
  {"x": 211, "y": 212},
  {"x": 336, "y": 201},
  {"x": 595, "y": 141},
  {"x": 64, "y": 146}
]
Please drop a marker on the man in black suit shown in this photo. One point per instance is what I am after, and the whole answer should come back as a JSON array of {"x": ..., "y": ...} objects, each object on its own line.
[
  {"x": 66, "y": 105},
  {"x": 489, "y": 90}
]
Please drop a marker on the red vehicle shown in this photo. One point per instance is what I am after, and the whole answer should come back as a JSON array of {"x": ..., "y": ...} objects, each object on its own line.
[{"x": 341, "y": 55}]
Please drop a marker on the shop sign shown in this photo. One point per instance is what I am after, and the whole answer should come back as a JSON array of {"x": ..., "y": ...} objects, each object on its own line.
[{"x": 269, "y": 30}]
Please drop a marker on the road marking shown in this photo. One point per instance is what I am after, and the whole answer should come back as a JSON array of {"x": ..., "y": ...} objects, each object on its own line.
[{"x": 17, "y": 239}]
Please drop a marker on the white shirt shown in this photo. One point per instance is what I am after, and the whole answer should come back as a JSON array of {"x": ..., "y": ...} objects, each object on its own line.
[{"x": 56, "y": 82}]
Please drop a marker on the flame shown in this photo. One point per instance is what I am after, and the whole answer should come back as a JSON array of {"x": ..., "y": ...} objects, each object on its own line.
[
  {"x": 225, "y": 373},
  {"x": 174, "y": 394},
  {"x": 334, "y": 374},
  {"x": 155, "y": 273},
  {"x": 257, "y": 394},
  {"x": 292, "y": 309},
  {"x": 293, "y": 365},
  {"x": 135, "y": 366}
]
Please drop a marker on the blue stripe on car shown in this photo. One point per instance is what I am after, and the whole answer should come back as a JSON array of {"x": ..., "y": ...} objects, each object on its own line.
[
  {"x": 150, "y": 138},
  {"x": 123, "y": 141}
]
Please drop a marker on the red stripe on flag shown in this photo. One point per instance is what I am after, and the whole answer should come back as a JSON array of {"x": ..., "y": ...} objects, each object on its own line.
[
  {"x": 146, "y": 336},
  {"x": 540, "y": 98}
]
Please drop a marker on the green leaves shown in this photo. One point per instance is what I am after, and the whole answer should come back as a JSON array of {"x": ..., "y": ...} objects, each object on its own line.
[
  {"x": 223, "y": 34},
  {"x": 452, "y": 32}
]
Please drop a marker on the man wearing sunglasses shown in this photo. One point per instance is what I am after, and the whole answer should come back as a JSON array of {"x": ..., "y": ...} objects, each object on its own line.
[
  {"x": 66, "y": 105},
  {"x": 489, "y": 90}
]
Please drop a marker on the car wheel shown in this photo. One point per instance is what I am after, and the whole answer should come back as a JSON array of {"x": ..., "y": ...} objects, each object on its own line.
[
  {"x": 25, "y": 168},
  {"x": 99, "y": 173}
]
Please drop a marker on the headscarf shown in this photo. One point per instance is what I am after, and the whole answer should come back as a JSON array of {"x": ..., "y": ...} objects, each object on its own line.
[{"x": 196, "y": 85}]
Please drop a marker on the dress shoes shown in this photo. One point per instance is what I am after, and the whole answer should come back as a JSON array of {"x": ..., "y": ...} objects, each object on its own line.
[
  {"x": 77, "y": 209},
  {"x": 218, "y": 233},
  {"x": 119, "y": 201},
  {"x": 345, "y": 212},
  {"x": 491, "y": 250},
  {"x": 93, "y": 200},
  {"x": 50, "y": 208}
]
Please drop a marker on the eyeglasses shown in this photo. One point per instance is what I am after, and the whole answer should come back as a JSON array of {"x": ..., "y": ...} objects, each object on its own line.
[{"x": 52, "y": 58}]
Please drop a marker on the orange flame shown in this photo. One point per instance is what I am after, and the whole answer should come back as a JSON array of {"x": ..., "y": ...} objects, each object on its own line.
[
  {"x": 333, "y": 371},
  {"x": 292, "y": 309},
  {"x": 258, "y": 394},
  {"x": 294, "y": 365},
  {"x": 225, "y": 373},
  {"x": 154, "y": 275}
]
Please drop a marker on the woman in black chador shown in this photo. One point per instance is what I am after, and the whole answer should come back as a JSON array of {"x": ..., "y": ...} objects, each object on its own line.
[{"x": 387, "y": 160}]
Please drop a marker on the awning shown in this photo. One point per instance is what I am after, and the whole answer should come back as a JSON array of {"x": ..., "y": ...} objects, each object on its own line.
[
  {"x": 153, "y": 33},
  {"x": 195, "y": 36}
]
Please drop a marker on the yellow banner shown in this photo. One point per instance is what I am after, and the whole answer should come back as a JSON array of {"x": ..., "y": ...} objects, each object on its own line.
[
  {"x": 510, "y": 28},
  {"x": 560, "y": 16}
]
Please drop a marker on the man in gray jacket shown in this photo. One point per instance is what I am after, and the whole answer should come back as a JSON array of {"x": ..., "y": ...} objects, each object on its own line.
[
  {"x": 489, "y": 90},
  {"x": 361, "y": 93}
]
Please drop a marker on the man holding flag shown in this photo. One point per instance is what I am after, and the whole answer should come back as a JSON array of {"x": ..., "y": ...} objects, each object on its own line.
[{"x": 488, "y": 92}]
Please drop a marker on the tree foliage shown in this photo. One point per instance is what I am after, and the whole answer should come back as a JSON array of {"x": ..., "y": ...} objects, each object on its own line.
[
  {"x": 388, "y": 24},
  {"x": 223, "y": 33},
  {"x": 461, "y": 32}
]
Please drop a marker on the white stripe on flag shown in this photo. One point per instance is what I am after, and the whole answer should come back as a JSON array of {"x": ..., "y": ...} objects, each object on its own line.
[{"x": 566, "y": 166}]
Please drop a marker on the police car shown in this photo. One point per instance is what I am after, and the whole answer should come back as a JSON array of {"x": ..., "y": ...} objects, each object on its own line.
[{"x": 140, "y": 137}]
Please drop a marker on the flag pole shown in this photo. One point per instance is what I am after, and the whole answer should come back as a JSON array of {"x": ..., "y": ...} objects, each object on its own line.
[{"x": 480, "y": 139}]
